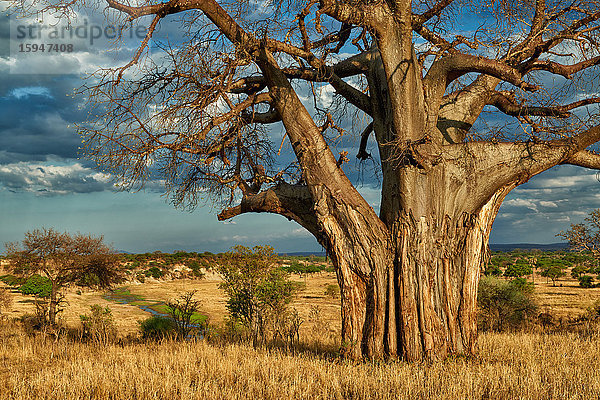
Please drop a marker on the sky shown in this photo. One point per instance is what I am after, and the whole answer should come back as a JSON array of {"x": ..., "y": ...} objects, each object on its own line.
[{"x": 44, "y": 182}]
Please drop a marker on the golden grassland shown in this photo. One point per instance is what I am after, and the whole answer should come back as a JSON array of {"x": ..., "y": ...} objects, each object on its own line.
[
  {"x": 523, "y": 365},
  {"x": 507, "y": 366},
  {"x": 78, "y": 302}
]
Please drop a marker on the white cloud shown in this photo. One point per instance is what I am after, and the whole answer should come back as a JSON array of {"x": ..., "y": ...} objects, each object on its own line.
[
  {"x": 519, "y": 202},
  {"x": 47, "y": 179},
  {"x": 24, "y": 92},
  {"x": 566, "y": 181}
]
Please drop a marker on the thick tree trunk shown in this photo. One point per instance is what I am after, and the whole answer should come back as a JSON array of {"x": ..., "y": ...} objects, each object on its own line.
[{"x": 419, "y": 298}]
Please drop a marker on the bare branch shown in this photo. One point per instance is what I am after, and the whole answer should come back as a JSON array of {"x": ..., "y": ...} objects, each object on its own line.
[
  {"x": 566, "y": 71},
  {"x": 585, "y": 159},
  {"x": 506, "y": 102},
  {"x": 434, "y": 11},
  {"x": 292, "y": 201}
]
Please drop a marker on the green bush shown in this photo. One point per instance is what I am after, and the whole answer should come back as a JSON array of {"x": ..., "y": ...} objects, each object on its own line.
[
  {"x": 586, "y": 281},
  {"x": 154, "y": 272},
  {"x": 156, "y": 328},
  {"x": 504, "y": 304},
  {"x": 12, "y": 280},
  {"x": 332, "y": 291},
  {"x": 492, "y": 270},
  {"x": 258, "y": 290},
  {"x": 99, "y": 326},
  {"x": 37, "y": 285}
]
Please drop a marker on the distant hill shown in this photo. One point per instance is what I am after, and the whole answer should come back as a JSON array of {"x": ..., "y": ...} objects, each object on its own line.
[
  {"x": 528, "y": 246},
  {"x": 493, "y": 247},
  {"x": 305, "y": 253}
]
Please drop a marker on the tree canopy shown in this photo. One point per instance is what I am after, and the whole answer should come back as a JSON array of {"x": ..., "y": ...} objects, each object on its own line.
[{"x": 64, "y": 259}]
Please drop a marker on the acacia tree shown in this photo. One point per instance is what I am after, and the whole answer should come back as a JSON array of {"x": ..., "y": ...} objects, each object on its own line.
[
  {"x": 585, "y": 236},
  {"x": 420, "y": 74},
  {"x": 64, "y": 259}
]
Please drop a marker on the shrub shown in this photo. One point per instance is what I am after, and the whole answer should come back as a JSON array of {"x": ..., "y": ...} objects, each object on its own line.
[
  {"x": 157, "y": 328},
  {"x": 154, "y": 272},
  {"x": 332, "y": 291},
  {"x": 37, "y": 285},
  {"x": 504, "y": 305},
  {"x": 99, "y": 325},
  {"x": 586, "y": 281},
  {"x": 184, "y": 313},
  {"x": 492, "y": 270},
  {"x": 258, "y": 290},
  {"x": 32, "y": 323}
]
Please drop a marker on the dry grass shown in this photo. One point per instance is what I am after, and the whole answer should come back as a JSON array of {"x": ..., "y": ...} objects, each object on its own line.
[
  {"x": 507, "y": 366},
  {"x": 567, "y": 299},
  {"x": 212, "y": 297},
  {"x": 515, "y": 366}
]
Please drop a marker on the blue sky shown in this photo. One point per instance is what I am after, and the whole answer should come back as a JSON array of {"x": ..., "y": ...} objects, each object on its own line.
[{"x": 44, "y": 183}]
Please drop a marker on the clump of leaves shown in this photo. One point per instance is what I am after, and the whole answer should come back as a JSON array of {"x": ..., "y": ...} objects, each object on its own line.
[
  {"x": 157, "y": 328},
  {"x": 37, "y": 285},
  {"x": 99, "y": 326},
  {"x": 504, "y": 305},
  {"x": 259, "y": 290}
]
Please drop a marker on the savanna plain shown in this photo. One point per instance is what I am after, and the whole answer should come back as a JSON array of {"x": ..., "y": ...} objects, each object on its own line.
[{"x": 553, "y": 352}]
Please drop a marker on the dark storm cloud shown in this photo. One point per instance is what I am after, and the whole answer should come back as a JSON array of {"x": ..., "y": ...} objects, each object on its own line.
[{"x": 32, "y": 126}]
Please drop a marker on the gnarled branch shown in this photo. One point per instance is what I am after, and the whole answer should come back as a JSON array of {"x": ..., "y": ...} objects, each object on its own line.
[{"x": 292, "y": 201}]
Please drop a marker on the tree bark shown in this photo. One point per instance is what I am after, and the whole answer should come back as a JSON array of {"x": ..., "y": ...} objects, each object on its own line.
[
  {"x": 417, "y": 298},
  {"x": 53, "y": 304}
]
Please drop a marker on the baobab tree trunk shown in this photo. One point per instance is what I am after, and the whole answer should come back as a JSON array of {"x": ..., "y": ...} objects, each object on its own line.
[{"x": 416, "y": 299}]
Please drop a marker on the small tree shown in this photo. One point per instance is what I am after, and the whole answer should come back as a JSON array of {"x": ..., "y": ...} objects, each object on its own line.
[
  {"x": 184, "y": 311},
  {"x": 578, "y": 270},
  {"x": 585, "y": 237},
  {"x": 586, "y": 281},
  {"x": 554, "y": 272},
  {"x": 518, "y": 269},
  {"x": 82, "y": 260},
  {"x": 258, "y": 289}
]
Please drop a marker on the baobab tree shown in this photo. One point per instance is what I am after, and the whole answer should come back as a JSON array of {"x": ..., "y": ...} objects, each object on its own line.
[{"x": 420, "y": 76}]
